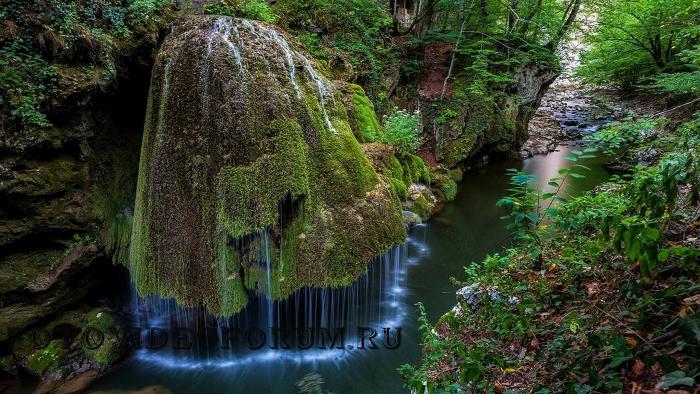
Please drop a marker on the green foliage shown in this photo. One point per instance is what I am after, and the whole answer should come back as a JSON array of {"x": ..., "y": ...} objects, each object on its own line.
[
  {"x": 249, "y": 9},
  {"x": 639, "y": 239},
  {"x": 401, "y": 130},
  {"x": 678, "y": 83},
  {"x": 530, "y": 208},
  {"x": 617, "y": 137},
  {"x": 639, "y": 39},
  {"x": 351, "y": 30},
  {"x": 43, "y": 38},
  {"x": 25, "y": 81}
]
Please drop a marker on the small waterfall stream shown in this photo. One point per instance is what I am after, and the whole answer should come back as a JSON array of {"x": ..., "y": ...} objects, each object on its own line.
[{"x": 313, "y": 324}]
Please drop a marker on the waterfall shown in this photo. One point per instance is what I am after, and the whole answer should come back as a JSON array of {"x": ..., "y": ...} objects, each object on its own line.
[
  {"x": 376, "y": 300},
  {"x": 224, "y": 27},
  {"x": 240, "y": 122}
]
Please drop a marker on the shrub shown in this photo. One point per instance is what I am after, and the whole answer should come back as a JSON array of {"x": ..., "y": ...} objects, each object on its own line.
[
  {"x": 250, "y": 9},
  {"x": 401, "y": 130}
]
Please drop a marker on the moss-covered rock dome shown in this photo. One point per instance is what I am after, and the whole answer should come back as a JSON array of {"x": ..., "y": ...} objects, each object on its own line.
[{"x": 249, "y": 169}]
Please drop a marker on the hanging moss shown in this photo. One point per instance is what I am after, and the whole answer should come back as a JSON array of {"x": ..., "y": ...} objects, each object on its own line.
[
  {"x": 363, "y": 118},
  {"x": 403, "y": 170},
  {"x": 249, "y": 159},
  {"x": 414, "y": 169}
]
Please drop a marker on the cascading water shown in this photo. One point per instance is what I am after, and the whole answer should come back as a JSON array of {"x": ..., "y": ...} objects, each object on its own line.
[
  {"x": 299, "y": 329},
  {"x": 251, "y": 183},
  {"x": 256, "y": 209}
]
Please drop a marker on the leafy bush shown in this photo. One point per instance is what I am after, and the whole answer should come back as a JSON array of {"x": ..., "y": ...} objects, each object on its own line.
[
  {"x": 638, "y": 39},
  {"x": 401, "y": 130},
  {"x": 250, "y": 9},
  {"x": 42, "y": 37},
  {"x": 530, "y": 207},
  {"x": 619, "y": 136},
  {"x": 25, "y": 81}
]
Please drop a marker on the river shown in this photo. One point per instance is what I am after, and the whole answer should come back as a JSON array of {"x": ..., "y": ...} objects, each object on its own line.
[{"x": 466, "y": 230}]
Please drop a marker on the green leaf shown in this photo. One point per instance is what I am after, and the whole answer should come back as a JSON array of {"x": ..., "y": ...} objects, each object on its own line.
[
  {"x": 552, "y": 212},
  {"x": 676, "y": 378},
  {"x": 504, "y": 202}
]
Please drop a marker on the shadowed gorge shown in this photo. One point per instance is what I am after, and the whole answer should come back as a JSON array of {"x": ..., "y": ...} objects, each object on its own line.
[{"x": 241, "y": 127}]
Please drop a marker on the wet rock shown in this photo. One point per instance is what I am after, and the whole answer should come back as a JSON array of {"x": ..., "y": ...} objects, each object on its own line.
[
  {"x": 420, "y": 200},
  {"x": 568, "y": 112},
  {"x": 469, "y": 294},
  {"x": 411, "y": 219},
  {"x": 70, "y": 345},
  {"x": 475, "y": 294},
  {"x": 647, "y": 156}
]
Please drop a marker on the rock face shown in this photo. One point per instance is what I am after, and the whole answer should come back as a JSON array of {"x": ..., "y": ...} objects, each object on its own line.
[
  {"x": 65, "y": 190},
  {"x": 468, "y": 124},
  {"x": 250, "y": 178}
]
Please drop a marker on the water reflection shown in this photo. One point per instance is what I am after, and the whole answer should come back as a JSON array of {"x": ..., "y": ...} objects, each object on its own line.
[{"x": 465, "y": 231}]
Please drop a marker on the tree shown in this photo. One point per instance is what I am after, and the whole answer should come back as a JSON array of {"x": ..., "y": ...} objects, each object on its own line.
[{"x": 636, "y": 39}]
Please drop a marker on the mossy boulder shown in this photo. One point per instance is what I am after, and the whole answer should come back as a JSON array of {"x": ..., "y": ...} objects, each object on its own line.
[
  {"x": 361, "y": 115},
  {"x": 249, "y": 165},
  {"x": 420, "y": 200},
  {"x": 76, "y": 341},
  {"x": 444, "y": 183}
]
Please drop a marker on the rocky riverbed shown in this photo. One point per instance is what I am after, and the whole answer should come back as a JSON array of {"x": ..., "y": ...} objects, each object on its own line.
[{"x": 569, "y": 111}]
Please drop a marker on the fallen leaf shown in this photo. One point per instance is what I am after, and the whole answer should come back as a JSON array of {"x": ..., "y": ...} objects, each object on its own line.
[
  {"x": 534, "y": 342},
  {"x": 693, "y": 300},
  {"x": 638, "y": 368}
]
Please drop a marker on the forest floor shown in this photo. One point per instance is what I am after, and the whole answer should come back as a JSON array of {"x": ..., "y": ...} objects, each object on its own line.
[{"x": 603, "y": 296}]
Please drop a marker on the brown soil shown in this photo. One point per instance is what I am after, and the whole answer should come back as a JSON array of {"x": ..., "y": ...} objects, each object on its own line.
[{"x": 436, "y": 60}]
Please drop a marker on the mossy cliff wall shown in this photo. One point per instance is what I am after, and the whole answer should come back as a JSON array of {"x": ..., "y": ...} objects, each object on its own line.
[
  {"x": 467, "y": 124},
  {"x": 483, "y": 108},
  {"x": 249, "y": 163}
]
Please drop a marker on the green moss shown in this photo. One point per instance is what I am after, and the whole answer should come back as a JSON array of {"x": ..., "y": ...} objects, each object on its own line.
[
  {"x": 450, "y": 190},
  {"x": 403, "y": 170},
  {"x": 422, "y": 207},
  {"x": 363, "y": 118},
  {"x": 472, "y": 122},
  {"x": 249, "y": 196},
  {"x": 414, "y": 169},
  {"x": 273, "y": 176},
  {"x": 399, "y": 187},
  {"x": 50, "y": 358},
  {"x": 444, "y": 184},
  {"x": 102, "y": 323}
]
